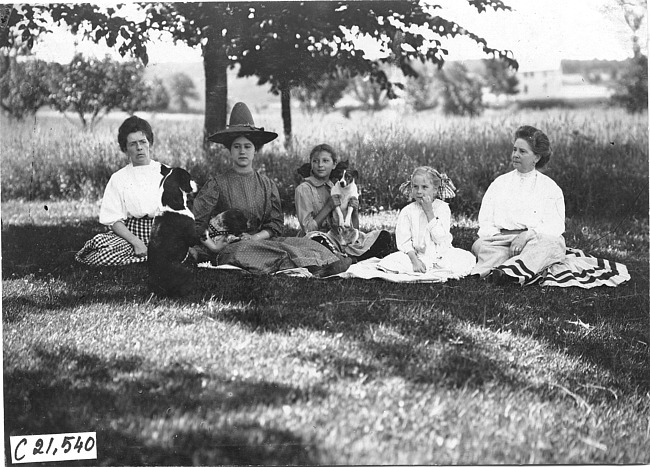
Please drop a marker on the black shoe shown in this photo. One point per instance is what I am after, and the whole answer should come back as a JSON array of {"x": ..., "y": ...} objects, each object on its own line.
[
  {"x": 332, "y": 269},
  {"x": 498, "y": 277}
]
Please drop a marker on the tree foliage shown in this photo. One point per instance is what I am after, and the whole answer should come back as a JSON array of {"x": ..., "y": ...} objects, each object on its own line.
[
  {"x": 182, "y": 89},
  {"x": 422, "y": 91},
  {"x": 323, "y": 94},
  {"x": 24, "y": 86},
  {"x": 323, "y": 39},
  {"x": 499, "y": 78},
  {"x": 460, "y": 92},
  {"x": 91, "y": 88},
  {"x": 632, "y": 87},
  {"x": 157, "y": 96},
  {"x": 285, "y": 44},
  {"x": 369, "y": 92}
]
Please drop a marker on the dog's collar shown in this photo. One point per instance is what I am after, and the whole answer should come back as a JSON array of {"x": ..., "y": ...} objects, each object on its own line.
[{"x": 213, "y": 233}]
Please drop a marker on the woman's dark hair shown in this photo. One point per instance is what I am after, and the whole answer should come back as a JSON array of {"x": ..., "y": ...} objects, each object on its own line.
[
  {"x": 249, "y": 137},
  {"x": 326, "y": 148},
  {"x": 234, "y": 221},
  {"x": 131, "y": 125},
  {"x": 538, "y": 142}
]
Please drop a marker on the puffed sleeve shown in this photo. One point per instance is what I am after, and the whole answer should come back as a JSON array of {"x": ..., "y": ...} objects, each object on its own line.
[
  {"x": 113, "y": 208},
  {"x": 439, "y": 227},
  {"x": 275, "y": 222},
  {"x": 204, "y": 204},
  {"x": 487, "y": 227},
  {"x": 304, "y": 201},
  {"x": 403, "y": 232}
]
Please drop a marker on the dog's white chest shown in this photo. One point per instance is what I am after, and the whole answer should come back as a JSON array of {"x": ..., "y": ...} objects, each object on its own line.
[{"x": 346, "y": 193}]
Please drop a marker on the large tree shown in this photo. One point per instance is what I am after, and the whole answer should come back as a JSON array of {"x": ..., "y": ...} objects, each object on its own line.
[
  {"x": 289, "y": 44},
  {"x": 283, "y": 43}
]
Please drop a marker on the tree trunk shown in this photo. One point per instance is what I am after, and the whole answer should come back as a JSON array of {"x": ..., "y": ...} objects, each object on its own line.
[
  {"x": 285, "y": 96},
  {"x": 215, "y": 65}
]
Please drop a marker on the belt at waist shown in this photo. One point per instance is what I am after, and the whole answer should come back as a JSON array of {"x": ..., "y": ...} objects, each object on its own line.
[{"x": 512, "y": 232}]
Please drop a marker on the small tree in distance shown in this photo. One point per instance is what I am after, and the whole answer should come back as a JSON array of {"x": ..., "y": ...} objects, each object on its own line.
[
  {"x": 499, "y": 78},
  {"x": 24, "y": 86},
  {"x": 182, "y": 89},
  {"x": 322, "y": 95},
  {"x": 632, "y": 87},
  {"x": 286, "y": 44},
  {"x": 91, "y": 88},
  {"x": 460, "y": 92}
]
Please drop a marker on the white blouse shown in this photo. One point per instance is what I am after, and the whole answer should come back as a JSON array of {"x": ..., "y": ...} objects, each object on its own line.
[
  {"x": 516, "y": 201},
  {"x": 429, "y": 239},
  {"x": 131, "y": 192}
]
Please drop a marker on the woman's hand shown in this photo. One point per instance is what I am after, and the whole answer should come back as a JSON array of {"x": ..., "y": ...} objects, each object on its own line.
[
  {"x": 418, "y": 265},
  {"x": 215, "y": 245},
  {"x": 139, "y": 248},
  {"x": 261, "y": 235},
  {"x": 518, "y": 244}
]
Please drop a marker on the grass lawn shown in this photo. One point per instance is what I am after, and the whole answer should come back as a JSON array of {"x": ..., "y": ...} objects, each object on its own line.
[{"x": 280, "y": 370}]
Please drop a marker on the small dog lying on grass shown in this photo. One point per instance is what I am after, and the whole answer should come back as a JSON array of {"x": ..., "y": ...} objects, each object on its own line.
[{"x": 172, "y": 234}]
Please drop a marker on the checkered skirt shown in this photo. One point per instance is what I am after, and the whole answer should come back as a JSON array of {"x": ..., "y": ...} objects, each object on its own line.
[{"x": 109, "y": 249}]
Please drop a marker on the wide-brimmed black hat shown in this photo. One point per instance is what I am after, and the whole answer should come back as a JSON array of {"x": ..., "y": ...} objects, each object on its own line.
[{"x": 242, "y": 124}]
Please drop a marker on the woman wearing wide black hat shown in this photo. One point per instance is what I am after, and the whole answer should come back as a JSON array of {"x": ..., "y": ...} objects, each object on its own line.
[
  {"x": 241, "y": 187},
  {"x": 244, "y": 189}
]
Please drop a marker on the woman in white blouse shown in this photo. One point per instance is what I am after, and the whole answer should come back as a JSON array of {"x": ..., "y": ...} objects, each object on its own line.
[
  {"x": 130, "y": 200},
  {"x": 521, "y": 220}
]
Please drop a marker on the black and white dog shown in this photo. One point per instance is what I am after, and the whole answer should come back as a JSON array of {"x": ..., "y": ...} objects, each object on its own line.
[
  {"x": 172, "y": 234},
  {"x": 345, "y": 189}
]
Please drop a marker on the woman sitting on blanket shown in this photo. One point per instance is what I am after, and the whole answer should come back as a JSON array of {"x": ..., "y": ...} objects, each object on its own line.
[
  {"x": 260, "y": 248},
  {"x": 315, "y": 207},
  {"x": 422, "y": 231},
  {"x": 130, "y": 201},
  {"x": 521, "y": 220}
]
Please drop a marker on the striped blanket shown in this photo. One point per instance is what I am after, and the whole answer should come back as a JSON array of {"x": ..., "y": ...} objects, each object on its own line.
[{"x": 577, "y": 270}]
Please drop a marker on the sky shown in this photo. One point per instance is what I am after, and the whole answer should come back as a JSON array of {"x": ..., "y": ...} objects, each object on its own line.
[{"x": 540, "y": 33}]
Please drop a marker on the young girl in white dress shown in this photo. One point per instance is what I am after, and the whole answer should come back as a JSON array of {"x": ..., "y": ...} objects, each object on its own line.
[{"x": 422, "y": 231}]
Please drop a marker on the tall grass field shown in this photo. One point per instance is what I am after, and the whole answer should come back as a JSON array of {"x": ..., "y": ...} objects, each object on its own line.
[
  {"x": 600, "y": 156},
  {"x": 282, "y": 370}
]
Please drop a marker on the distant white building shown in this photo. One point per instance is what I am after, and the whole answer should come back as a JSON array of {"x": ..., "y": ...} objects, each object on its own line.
[
  {"x": 539, "y": 84},
  {"x": 552, "y": 84}
]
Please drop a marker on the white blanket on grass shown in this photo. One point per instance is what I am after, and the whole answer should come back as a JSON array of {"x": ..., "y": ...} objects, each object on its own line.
[
  {"x": 367, "y": 269},
  {"x": 577, "y": 270},
  {"x": 370, "y": 269}
]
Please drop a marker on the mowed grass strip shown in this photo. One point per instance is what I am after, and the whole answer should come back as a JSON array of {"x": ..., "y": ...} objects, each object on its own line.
[{"x": 279, "y": 370}]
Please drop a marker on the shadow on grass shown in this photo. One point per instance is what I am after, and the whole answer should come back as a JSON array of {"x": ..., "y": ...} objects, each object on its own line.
[
  {"x": 42, "y": 250},
  {"x": 174, "y": 416},
  {"x": 351, "y": 307},
  {"x": 422, "y": 313}
]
